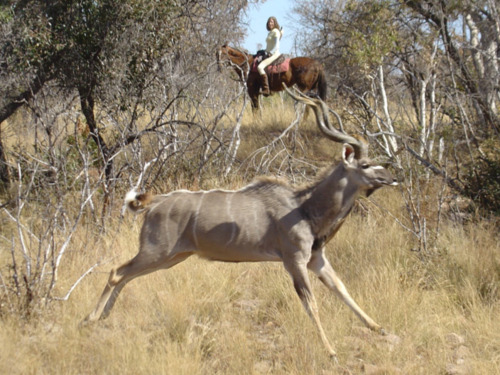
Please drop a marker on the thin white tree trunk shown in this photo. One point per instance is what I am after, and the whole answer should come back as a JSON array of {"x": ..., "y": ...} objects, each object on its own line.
[{"x": 388, "y": 139}]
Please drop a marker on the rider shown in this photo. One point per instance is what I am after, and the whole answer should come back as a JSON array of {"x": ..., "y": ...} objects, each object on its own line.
[{"x": 272, "y": 48}]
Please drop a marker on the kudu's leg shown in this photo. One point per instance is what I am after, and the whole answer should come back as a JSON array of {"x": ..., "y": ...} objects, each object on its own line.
[
  {"x": 139, "y": 265},
  {"x": 320, "y": 265},
  {"x": 302, "y": 286}
]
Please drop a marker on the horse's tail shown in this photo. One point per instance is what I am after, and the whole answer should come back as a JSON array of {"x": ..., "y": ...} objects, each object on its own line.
[{"x": 322, "y": 85}]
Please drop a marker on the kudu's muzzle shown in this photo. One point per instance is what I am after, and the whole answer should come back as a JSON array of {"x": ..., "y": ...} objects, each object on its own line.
[{"x": 384, "y": 177}]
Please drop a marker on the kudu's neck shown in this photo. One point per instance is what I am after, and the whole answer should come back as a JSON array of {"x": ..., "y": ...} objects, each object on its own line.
[{"x": 328, "y": 202}]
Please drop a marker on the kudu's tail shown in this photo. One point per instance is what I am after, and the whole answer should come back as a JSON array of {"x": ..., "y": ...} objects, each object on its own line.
[
  {"x": 322, "y": 85},
  {"x": 137, "y": 202}
]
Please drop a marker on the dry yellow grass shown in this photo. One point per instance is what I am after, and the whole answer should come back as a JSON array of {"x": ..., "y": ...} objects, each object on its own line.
[{"x": 213, "y": 318}]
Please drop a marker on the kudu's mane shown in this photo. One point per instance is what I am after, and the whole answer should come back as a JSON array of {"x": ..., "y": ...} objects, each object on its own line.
[
  {"x": 307, "y": 187},
  {"x": 269, "y": 182}
]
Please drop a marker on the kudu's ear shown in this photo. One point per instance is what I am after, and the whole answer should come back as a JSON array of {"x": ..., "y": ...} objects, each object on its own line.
[{"x": 348, "y": 154}]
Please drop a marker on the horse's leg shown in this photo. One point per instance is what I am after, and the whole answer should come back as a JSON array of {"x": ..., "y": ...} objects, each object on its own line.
[
  {"x": 254, "y": 97},
  {"x": 302, "y": 77},
  {"x": 255, "y": 102},
  {"x": 289, "y": 78}
]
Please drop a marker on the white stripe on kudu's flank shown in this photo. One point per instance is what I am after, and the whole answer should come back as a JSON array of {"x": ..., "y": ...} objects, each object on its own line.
[
  {"x": 229, "y": 212},
  {"x": 196, "y": 214}
]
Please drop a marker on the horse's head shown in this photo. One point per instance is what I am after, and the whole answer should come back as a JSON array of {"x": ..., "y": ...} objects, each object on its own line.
[{"x": 239, "y": 60}]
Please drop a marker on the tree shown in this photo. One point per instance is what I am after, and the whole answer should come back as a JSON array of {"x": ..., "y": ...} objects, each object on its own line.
[
  {"x": 476, "y": 61},
  {"x": 420, "y": 76},
  {"x": 114, "y": 95},
  {"x": 107, "y": 50}
]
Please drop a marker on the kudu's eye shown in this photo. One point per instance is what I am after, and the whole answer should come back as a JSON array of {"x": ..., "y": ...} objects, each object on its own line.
[{"x": 365, "y": 166}]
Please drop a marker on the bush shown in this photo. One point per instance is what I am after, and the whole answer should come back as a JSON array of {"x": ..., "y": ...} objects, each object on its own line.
[{"x": 483, "y": 181}]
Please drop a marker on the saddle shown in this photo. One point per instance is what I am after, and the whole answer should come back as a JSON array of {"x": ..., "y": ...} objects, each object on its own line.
[{"x": 280, "y": 65}]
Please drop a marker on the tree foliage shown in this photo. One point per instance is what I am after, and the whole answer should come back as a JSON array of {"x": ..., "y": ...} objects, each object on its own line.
[
  {"x": 109, "y": 52},
  {"x": 438, "y": 58}
]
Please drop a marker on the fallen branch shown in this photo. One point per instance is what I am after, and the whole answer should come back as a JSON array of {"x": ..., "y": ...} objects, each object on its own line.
[{"x": 66, "y": 297}]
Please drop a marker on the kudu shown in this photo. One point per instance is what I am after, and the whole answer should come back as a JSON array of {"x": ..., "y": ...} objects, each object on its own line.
[{"x": 264, "y": 221}]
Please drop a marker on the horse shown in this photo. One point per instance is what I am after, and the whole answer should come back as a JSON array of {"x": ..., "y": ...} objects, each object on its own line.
[{"x": 308, "y": 74}]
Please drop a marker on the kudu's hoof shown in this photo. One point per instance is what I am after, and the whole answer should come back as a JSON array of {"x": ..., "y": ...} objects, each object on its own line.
[
  {"x": 334, "y": 358},
  {"x": 85, "y": 322}
]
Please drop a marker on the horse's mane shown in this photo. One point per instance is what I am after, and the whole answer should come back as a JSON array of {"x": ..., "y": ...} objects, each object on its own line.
[{"x": 238, "y": 49}]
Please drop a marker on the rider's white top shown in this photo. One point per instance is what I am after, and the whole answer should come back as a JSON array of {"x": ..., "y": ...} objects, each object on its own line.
[{"x": 273, "y": 41}]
